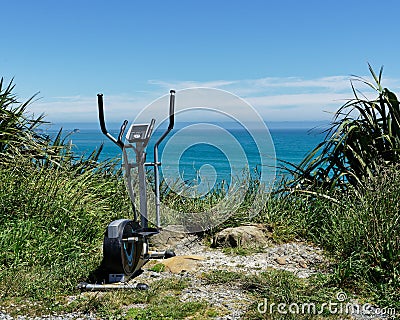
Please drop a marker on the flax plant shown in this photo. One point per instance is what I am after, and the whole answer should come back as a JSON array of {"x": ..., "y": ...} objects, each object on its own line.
[{"x": 363, "y": 138}]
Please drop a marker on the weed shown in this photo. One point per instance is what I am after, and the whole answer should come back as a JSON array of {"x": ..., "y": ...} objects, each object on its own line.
[
  {"x": 169, "y": 307},
  {"x": 221, "y": 276},
  {"x": 159, "y": 267}
]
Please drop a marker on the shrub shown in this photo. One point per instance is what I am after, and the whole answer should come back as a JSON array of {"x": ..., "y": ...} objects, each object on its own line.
[{"x": 364, "y": 135}]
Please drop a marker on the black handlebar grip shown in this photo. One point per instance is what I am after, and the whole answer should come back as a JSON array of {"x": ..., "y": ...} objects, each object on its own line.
[
  {"x": 103, "y": 128},
  {"x": 171, "y": 110},
  {"x": 101, "y": 113}
]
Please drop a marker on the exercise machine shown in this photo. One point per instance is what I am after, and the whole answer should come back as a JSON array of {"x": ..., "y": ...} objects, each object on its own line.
[{"x": 126, "y": 241}]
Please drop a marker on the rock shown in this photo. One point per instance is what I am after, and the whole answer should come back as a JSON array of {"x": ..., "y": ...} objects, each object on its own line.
[
  {"x": 249, "y": 236},
  {"x": 303, "y": 264},
  {"x": 182, "y": 263},
  {"x": 169, "y": 237},
  {"x": 281, "y": 260}
]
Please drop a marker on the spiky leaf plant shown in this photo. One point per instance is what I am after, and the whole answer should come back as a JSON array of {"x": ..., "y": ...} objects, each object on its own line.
[
  {"x": 21, "y": 137},
  {"x": 363, "y": 138},
  {"x": 17, "y": 132}
]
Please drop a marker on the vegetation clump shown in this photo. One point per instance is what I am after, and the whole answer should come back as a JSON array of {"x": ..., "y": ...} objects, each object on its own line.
[
  {"x": 53, "y": 207},
  {"x": 347, "y": 191},
  {"x": 363, "y": 139}
]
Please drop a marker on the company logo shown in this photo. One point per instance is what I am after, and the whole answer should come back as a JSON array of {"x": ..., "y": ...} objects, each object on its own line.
[
  {"x": 219, "y": 158},
  {"x": 341, "y": 305}
]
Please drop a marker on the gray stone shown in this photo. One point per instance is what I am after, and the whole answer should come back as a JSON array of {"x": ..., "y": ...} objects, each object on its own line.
[
  {"x": 248, "y": 236},
  {"x": 169, "y": 237},
  {"x": 281, "y": 260}
]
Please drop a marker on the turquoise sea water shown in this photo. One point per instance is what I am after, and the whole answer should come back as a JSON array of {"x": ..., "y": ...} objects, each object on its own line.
[{"x": 193, "y": 155}]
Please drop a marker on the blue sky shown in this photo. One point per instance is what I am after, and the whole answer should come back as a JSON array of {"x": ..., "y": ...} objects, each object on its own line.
[{"x": 291, "y": 60}]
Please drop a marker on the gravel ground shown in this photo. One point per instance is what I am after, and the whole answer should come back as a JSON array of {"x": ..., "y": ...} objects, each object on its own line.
[
  {"x": 296, "y": 257},
  {"x": 69, "y": 316},
  {"x": 300, "y": 258}
]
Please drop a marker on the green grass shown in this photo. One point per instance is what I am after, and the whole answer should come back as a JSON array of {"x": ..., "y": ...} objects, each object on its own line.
[
  {"x": 53, "y": 222},
  {"x": 362, "y": 233},
  {"x": 121, "y": 304},
  {"x": 169, "y": 307},
  {"x": 159, "y": 267}
]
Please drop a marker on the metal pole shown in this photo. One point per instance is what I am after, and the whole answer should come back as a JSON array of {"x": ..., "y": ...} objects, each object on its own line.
[
  {"x": 157, "y": 186},
  {"x": 128, "y": 178},
  {"x": 117, "y": 286},
  {"x": 156, "y": 161},
  {"x": 142, "y": 188},
  {"x": 118, "y": 141}
]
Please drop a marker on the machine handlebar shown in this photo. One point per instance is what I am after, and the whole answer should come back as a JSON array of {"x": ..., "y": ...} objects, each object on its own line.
[
  {"x": 171, "y": 110},
  {"x": 118, "y": 141}
]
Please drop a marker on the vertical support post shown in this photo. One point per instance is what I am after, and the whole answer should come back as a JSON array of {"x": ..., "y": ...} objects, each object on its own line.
[
  {"x": 156, "y": 161},
  {"x": 157, "y": 186},
  {"x": 128, "y": 180},
  {"x": 142, "y": 189}
]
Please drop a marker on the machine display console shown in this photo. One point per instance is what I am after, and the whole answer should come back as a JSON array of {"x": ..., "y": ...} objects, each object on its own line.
[{"x": 139, "y": 132}]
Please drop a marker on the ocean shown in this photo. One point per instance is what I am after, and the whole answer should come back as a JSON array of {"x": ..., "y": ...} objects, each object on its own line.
[{"x": 210, "y": 154}]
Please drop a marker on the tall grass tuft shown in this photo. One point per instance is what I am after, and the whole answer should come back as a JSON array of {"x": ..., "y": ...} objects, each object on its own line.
[
  {"x": 17, "y": 131},
  {"x": 52, "y": 222},
  {"x": 364, "y": 135},
  {"x": 54, "y": 206},
  {"x": 344, "y": 194}
]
